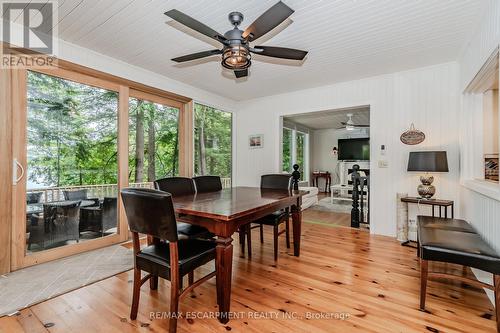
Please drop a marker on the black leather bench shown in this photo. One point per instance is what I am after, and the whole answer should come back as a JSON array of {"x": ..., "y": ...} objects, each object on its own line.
[{"x": 455, "y": 241}]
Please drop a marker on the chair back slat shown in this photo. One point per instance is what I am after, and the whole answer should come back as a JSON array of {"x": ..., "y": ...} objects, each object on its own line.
[
  {"x": 206, "y": 184},
  {"x": 177, "y": 186},
  {"x": 150, "y": 212},
  {"x": 276, "y": 182}
]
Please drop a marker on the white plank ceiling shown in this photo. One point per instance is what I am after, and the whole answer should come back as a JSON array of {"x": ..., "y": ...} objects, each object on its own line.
[
  {"x": 346, "y": 39},
  {"x": 331, "y": 118}
]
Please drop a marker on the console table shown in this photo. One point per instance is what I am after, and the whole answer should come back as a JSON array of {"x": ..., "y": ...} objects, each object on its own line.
[
  {"x": 326, "y": 175},
  {"x": 434, "y": 203}
]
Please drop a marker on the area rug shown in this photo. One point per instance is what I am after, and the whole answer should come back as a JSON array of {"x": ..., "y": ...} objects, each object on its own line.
[
  {"x": 338, "y": 206},
  {"x": 39, "y": 283}
]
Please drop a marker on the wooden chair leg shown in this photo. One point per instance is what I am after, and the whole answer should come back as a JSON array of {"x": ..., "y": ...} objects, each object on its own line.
[
  {"x": 135, "y": 294},
  {"x": 496, "y": 279},
  {"x": 190, "y": 278},
  {"x": 287, "y": 232},
  {"x": 275, "y": 241},
  {"x": 175, "y": 282},
  {"x": 242, "y": 232},
  {"x": 424, "y": 269},
  {"x": 261, "y": 234},
  {"x": 153, "y": 282},
  {"x": 249, "y": 239},
  {"x": 174, "y": 308}
]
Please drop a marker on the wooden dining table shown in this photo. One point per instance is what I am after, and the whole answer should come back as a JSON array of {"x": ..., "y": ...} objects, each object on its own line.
[{"x": 224, "y": 212}]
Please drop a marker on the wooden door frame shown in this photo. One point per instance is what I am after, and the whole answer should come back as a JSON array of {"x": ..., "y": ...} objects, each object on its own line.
[
  {"x": 5, "y": 170},
  {"x": 13, "y": 114}
]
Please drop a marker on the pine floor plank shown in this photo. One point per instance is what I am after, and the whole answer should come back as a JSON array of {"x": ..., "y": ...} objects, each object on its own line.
[{"x": 371, "y": 280}]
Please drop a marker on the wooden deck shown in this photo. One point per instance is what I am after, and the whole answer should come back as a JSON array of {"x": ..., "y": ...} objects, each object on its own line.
[{"x": 363, "y": 283}]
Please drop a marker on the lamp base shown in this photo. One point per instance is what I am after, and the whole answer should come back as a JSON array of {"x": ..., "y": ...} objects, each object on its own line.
[{"x": 426, "y": 189}]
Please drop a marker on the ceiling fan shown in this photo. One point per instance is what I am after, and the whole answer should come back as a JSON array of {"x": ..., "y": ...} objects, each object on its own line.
[
  {"x": 236, "y": 50},
  {"x": 350, "y": 125}
]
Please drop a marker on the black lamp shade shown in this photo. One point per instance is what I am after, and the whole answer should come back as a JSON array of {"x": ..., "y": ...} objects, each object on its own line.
[{"x": 428, "y": 161}]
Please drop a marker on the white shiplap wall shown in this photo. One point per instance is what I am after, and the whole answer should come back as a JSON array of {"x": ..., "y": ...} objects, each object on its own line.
[
  {"x": 481, "y": 210},
  {"x": 427, "y": 97},
  {"x": 484, "y": 40}
]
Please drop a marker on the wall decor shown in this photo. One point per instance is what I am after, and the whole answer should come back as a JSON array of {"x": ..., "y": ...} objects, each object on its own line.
[
  {"x": 412, "y": 136},
  {"x": 256, "y": 141}
]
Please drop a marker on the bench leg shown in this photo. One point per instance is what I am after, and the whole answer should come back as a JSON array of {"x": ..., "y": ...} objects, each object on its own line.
[
  {"x": 424, "y": 268},
  {"x": 497, "y": 299}
]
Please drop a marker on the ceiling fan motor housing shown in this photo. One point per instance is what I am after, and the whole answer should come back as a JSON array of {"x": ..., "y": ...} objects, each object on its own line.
[
  {"x": 236, "y": 54},
  {"x": 235, "y": 18}
]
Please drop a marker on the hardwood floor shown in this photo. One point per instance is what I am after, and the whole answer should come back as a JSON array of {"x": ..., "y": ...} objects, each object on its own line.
[
  {"x": 366, "y": 283},
  {"x": 326, "y": 217}
]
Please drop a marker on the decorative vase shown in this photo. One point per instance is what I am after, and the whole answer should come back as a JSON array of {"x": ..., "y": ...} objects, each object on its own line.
[{"x": 426, "y": 189}]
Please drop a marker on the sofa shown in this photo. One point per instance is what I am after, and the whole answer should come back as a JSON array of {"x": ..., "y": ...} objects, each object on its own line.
[{"x": 311, "y": 198}]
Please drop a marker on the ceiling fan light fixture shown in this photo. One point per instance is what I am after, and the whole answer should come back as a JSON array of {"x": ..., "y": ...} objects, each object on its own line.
[
  {"x": 236, "y": 57},
  {"x": 349, "y": 124}
]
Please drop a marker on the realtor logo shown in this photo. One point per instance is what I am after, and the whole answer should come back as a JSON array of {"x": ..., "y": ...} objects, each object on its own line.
[{"x": 28, "y": 28}]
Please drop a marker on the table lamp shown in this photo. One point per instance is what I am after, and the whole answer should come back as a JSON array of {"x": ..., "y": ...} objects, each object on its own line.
[{"x": 427, "y": 161}]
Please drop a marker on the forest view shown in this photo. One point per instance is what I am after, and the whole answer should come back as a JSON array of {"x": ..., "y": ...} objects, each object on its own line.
[
  {"x": 212, "y": 141},
  {"x": 294, "y": 151},
  {"x": 287, "y": 150},
  {"x": 72, "y": 133},
  {"x": 72, "y": 136},
  {"x": 153, "y": 141}
]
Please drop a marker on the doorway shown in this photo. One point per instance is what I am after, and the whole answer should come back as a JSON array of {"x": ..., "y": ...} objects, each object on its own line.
[{"x": 328, "y": 144}]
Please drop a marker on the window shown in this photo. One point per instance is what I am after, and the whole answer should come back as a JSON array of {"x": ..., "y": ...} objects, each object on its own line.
[
  {"x": 153, "y": 141},
  {"x": 213, "y": 143},
  {"x": 287, "y": 150},
  {"x": 301, "y": 152},
  {"x": 71, "y": 161},
  {"x": 295, "y": 149},
  {"x": 490, "y": 134}
]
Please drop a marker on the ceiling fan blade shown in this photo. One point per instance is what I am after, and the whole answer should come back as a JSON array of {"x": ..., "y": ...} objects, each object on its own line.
[
  {"x": 266, "y": 22},
  {"x": 190, "y": 22},
  {"x": 197, "y": 55},
  {"x": 280, "y": 52},
  {"x": 242, "y": 73},
  {"x": 353, "y": 125}
]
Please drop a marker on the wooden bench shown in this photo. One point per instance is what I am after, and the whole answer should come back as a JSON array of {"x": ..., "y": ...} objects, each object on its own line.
[{"x": 455, "y": 241}]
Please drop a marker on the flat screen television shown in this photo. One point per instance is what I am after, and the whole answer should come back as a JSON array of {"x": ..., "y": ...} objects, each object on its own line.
[{"x": 354, "y": 149}]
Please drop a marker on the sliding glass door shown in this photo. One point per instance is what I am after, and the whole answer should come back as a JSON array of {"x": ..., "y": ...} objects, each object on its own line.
[
  {"x": 78, "y": 137},
  {"x": 71, "y": 174}
]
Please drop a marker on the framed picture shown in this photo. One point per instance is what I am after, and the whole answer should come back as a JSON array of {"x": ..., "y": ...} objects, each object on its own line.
[{"x": 256, "y": 141}]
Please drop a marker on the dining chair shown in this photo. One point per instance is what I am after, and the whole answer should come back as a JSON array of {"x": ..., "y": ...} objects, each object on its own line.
[
  {"x": 181, "y": 186},
  {"x": 206, "y": 184},
  {"x": 101, "y": 219},
  {"x": 151, "y": 212},
  {"x": 273, "y": 182},
  {"x": 81, "y": 194}
]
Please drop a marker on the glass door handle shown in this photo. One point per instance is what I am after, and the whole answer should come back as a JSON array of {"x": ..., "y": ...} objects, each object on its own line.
[{"x": 15, "y": 166}]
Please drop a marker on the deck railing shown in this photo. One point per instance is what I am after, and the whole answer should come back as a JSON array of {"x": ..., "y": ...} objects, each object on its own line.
[{"x": 51, "y": 194}]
